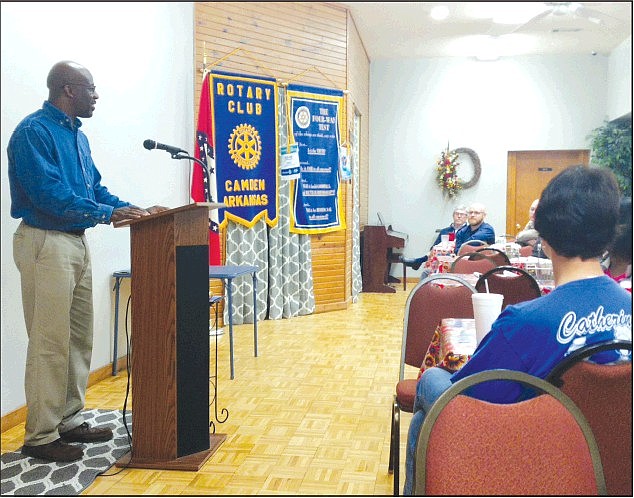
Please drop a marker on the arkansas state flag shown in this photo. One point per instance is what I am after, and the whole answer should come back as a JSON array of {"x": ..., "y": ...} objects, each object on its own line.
[{"x": 203, "y": 188}]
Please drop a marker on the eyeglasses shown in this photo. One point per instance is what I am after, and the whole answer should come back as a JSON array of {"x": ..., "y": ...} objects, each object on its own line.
[
  {"x": 474, "y": 212},
  {"x": 91, "y": 88},
  {"x": 460, "y": 214}
]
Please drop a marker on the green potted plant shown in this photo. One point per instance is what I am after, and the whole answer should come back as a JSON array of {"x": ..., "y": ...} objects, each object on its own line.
[{"x": 612, "y": 148}]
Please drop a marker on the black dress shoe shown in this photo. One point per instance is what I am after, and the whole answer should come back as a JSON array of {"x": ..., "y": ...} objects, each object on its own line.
[
  {"x": 414, "y": 263},
  {"x": 85, "y": 434},
  {"x": 57, "y": 451}
]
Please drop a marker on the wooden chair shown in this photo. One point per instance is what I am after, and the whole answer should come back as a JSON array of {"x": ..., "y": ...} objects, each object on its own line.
[
  {"x": 472, "y": 262},
  {"x": 603, "y": 393},
  {"x": 540, "y": 446},
  {"x": 515, "y": 284},
  {"x": 496, "y": 255},
  {"x": 426, "y": 305}
]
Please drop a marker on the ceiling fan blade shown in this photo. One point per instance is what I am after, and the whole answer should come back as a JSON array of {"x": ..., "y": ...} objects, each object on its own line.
[{"x": 532, "y": 20}]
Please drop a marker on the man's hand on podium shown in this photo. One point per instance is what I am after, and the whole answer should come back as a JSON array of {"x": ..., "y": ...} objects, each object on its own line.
[
  {"x": 156, "y": 209},
  {"x": 127, "y": 213}
]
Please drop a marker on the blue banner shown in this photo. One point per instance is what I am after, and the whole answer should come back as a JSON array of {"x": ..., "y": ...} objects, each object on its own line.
[
  {"x": 244, "y": 111},
  {"x": 315, "y": 115}
]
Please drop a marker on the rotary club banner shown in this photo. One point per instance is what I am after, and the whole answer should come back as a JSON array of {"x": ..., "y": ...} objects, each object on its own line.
[
  {"x": 315, "y": 116},
  {"x": 244, "y": 114}
]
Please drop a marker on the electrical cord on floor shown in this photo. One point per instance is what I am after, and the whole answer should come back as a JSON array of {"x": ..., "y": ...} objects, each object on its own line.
[{"x": 127, "y": 391}]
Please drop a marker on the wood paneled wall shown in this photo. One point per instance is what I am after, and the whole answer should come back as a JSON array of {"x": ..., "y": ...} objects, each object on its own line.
[
  {"x": 308, "y": 43},
  {"x": 359, "y": 100}
]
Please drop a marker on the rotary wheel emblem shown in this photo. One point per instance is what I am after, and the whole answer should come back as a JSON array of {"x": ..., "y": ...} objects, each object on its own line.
[
  {"x": 245, "y": 146},
  {"x": 302, "y": 117}
]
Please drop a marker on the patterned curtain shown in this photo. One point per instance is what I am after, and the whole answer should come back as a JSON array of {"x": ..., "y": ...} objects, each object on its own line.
[
  {"x": 285, "y": 279},
  {"x": 247, "y": 246},
  {"x": 356, "y": 242}
]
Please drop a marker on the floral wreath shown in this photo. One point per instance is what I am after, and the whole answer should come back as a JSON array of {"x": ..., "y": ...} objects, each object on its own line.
[
  {"x": 447, "y": 176},
  {"x": 477, "y": 167}
]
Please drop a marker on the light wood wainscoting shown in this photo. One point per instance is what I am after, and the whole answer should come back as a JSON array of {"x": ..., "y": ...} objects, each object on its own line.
[{"x": 309, "y": 416}]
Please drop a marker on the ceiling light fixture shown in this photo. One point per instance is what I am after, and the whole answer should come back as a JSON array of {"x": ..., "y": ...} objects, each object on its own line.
[
  {"x": 563, "y": 8},
  {"x": 439, "y": 13},
  {"x": 517, "y": 13}
]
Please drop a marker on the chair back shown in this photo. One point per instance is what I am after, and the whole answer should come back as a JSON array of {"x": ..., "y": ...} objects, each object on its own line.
[
  {"x": 540, "y": 446},
  {"x": 603, "y": 393},
  {"x": 472, "y": 262},
  {"x": 515, "y": 284},
  {"x": 428, "y": 303},
  {"x": 476, "y": 242},
  {"x": 471, "y": 246},
  {"x": 496, "y": 255}
]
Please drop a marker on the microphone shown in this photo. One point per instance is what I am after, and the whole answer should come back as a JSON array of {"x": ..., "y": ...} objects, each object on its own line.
[{"x": 151, "y": 144}]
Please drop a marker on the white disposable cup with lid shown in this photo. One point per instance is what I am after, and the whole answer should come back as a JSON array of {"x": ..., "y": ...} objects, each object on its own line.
[
  {"x": 486, "y": 309},
  {"x": 444, "y": 238}
]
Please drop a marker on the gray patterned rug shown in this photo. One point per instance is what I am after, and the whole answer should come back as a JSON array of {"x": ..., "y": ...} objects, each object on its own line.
[{"x": 22, "y": 475}]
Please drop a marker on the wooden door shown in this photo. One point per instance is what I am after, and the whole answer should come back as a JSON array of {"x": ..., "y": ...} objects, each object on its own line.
[{"x": 527, "y": 173}]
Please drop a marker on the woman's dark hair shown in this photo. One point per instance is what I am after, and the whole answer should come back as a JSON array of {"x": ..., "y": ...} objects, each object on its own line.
[
  {"x": 622, "y": 246},
  {"x": 625, "y": 211},
  {"x": 578, "y": 212}
]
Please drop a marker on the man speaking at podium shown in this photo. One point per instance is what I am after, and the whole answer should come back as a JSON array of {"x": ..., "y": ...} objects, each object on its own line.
[{"x": 56, "y": 190}]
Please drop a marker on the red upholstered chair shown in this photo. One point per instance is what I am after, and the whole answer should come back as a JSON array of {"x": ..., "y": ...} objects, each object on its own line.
[
  {"x": 427, "y": 304},
  {"x": 603, "y": 393},
  {"x": 471, "y": 246},
  {"x": 472, "y": 262},
  {"x": 515, "y": 284},
  {"x": 541, "y": 446},
  {"x": 496, "y": 255}
]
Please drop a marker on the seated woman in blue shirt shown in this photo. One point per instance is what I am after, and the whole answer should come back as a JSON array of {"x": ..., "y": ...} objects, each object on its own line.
[{"x": 576, "y": 218}]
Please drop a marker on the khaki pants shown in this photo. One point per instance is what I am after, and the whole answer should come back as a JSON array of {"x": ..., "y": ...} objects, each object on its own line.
[{"x": 56, "y": 282}]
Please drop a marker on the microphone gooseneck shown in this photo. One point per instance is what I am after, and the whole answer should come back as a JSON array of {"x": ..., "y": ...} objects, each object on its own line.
[
  {"x": 151, "y": 144},
  {"x": 176, "y": 154}
]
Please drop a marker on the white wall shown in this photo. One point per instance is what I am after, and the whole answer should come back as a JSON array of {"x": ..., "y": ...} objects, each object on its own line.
[
  {"x": 620, "y": 88},
  {"x": 141, "y": 59},
  {"x": 522, "y": 103}
]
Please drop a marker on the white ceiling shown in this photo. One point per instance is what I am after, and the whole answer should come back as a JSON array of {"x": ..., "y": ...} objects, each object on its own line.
[{"x": 406, "y": 29}]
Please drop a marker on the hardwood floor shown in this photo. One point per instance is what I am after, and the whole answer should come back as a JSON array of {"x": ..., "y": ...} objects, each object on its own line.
[{"x": 309, "y": 416}]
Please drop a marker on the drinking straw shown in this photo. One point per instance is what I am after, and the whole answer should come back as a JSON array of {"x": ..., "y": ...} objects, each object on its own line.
[{"x": 486, "y": 285}]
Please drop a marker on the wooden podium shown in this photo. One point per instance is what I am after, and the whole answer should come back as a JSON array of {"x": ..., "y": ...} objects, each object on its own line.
[{"x": 170, "y": 340}]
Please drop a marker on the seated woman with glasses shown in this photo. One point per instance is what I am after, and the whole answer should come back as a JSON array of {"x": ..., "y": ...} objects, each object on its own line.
[{"x": 476, "y": 228}]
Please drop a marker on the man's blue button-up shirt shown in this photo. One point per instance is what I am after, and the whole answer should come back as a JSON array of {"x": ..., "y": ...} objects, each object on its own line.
[
  {"x": 54, "y": 182},
  {"x": 484, "y": 232}
]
